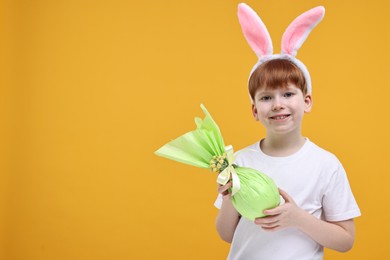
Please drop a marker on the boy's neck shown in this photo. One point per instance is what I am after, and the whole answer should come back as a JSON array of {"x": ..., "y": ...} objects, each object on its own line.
[{"x": 279, "y": 146}]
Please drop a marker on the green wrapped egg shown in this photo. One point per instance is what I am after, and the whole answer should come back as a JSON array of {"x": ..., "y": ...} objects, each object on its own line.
[
  {"x": 257, "y": 193},
  {"x": 252, "y": 191}
]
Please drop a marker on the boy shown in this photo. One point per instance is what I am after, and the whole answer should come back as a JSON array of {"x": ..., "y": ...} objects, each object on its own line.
[{"x": 318, "y": 207}]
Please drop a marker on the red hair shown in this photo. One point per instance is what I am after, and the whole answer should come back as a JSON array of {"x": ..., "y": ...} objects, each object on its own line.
[{"x": 275, "y": 74}]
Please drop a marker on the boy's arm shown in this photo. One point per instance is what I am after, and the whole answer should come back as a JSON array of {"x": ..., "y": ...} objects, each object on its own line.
[
  {"x": 228, "y": 217},
  {"x": 338, "y": 236}
]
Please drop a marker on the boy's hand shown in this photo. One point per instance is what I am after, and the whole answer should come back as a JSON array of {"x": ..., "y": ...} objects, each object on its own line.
[
  {"x": 283, "y": 216},
  {"x": 224, "y": 190}
]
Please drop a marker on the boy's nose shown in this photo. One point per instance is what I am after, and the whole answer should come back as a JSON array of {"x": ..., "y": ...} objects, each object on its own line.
[{"x": 277, "y": 105}]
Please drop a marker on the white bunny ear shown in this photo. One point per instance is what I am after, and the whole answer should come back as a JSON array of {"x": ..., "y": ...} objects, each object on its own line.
[
  {"x": 254, "y": 30},
  {"x": 297, "y": 32}
]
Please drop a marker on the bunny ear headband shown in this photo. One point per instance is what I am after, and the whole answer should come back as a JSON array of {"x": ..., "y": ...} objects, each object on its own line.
[{"x": 296, "y": 33}]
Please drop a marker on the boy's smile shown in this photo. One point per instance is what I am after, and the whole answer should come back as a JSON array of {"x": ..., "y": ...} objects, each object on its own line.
[{"x": 281, "y": 117}]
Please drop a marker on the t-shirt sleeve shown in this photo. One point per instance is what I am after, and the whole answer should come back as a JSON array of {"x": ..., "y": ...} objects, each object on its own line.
[
  {"x": 338, "y": 202},
  {"x": 218, "y": 202}
]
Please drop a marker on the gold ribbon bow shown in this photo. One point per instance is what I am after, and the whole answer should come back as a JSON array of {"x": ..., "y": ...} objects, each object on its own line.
[{"x": 224, "y": 176}]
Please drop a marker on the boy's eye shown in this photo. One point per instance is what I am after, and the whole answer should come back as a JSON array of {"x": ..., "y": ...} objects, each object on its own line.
[
  {"x": 288, "y": 94},
  {"x": 265, "y": 98}
]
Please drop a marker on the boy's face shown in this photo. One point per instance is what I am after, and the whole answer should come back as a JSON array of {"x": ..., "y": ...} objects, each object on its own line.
[{"x": 281, "y": 110}]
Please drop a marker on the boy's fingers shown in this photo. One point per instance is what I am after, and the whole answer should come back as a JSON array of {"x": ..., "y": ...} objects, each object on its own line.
[
  {"x": 222, "y": 189},
  {"x": 272, "y": 212},
  {"x": 226, "y": 196},
  {"x": 285, "y": 196}
]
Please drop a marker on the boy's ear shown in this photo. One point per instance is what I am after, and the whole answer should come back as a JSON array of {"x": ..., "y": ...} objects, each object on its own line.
[
  {"x": 308, "y": 103},
  {"x": 254, "y": 112}
]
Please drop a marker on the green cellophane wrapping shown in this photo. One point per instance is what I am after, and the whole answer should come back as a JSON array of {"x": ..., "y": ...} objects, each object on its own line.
[{"x": 257, "y": 191}]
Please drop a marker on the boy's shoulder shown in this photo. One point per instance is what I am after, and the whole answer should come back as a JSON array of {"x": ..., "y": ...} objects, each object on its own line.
[
  {"x": 249, "y": 151},
  {"x": 322, "y": 153},
  {"x": 323, "y": 160}
]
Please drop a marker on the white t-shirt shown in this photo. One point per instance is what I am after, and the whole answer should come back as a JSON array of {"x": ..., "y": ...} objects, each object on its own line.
[{"x": 317, "y": 182}]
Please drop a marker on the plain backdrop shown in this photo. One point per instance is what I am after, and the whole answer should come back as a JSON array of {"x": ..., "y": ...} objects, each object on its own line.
[{"x": 90, "y": 89}]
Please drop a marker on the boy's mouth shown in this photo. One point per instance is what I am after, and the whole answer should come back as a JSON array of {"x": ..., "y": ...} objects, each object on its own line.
[{"x": 279, "y": 117}]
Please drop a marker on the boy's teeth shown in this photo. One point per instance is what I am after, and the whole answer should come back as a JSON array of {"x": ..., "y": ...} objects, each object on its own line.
[{"x": 280, "y": 117}]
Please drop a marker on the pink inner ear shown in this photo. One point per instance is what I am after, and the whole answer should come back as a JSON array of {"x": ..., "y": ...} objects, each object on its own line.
[
  {"x": 254, "y": 30},
  {"x": 297, "y": 32}
]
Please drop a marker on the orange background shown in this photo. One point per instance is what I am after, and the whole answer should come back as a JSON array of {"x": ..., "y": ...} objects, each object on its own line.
[{"x": 89, "y": 89}]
